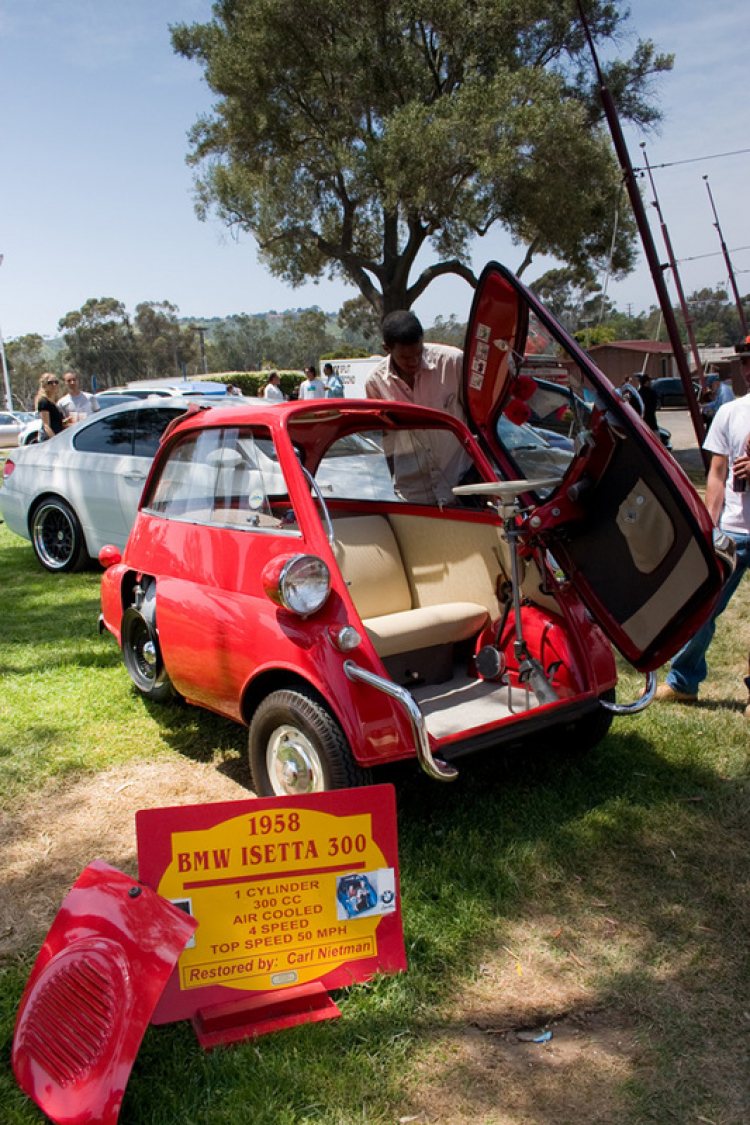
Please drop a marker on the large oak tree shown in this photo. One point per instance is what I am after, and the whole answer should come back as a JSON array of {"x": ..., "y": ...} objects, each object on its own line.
[{"x": 348, "y": 136}]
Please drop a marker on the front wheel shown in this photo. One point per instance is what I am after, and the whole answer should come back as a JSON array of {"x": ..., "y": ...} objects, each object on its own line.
[
  {"x": 57, "y": 537},
  {"x": 296, "y": 746},
  {"x": 140, "y": 651}
]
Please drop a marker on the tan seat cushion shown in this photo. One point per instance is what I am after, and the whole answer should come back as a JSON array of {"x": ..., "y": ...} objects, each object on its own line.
[
  {"x": 413, "y": 629},
  {"x": 370, "y": 562}
]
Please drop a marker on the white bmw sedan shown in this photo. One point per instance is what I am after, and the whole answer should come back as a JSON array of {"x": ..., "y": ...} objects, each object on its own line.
[{"x": 78, "y": 491}]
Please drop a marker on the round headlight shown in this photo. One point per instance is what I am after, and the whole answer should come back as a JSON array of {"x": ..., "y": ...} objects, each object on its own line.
[{"x": 304, "y": 584}]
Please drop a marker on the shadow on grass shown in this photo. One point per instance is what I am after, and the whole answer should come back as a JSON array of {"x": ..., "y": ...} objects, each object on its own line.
[{"x": 203, "y": 736}]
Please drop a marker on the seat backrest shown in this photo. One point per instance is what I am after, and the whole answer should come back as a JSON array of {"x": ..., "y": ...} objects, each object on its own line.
[
  {"x": 451, "y": 560},
  {"x": 368, "y": 557}
]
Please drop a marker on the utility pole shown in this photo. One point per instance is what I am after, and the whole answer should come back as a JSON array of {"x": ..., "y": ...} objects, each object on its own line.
[
  {"x": 675, "y": 274},
  {"x": 202, "y": 333},
  {"x": 6, "y": 379},
  {"x": 639, "y": 213},
  {"x": 730, "y": 271}
]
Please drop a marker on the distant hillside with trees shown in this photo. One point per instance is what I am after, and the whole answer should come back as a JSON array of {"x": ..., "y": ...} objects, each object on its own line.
[{"x": 102, "y": 340}]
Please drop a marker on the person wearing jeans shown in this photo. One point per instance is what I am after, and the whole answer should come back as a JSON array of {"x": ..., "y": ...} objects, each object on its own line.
[{"x": 728, "y": 501}]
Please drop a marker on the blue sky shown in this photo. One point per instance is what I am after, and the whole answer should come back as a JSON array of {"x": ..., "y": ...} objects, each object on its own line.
[{"x": 96, "y": 198}]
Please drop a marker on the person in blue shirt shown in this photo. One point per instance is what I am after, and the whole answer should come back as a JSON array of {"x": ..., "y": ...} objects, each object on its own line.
[{"x": 332, "y": 380}]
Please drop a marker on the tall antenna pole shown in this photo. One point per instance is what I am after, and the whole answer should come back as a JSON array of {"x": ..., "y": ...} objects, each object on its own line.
[
  {"x": 675, "y": 274},
  {"x": 639, "y": 213},
  {"x": 730, "y": 271}
]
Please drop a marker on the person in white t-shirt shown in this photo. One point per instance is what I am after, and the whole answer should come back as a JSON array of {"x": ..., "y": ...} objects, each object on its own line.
[
  {"x": 312, "y": 386},
  {"x": 76, "y": 404},
  {"x": 728, "y": 501},
  {"x": 272, "y": 390}
]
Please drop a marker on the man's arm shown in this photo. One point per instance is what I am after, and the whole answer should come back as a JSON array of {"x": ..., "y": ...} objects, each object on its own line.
[{"x": 716, "y": 484}]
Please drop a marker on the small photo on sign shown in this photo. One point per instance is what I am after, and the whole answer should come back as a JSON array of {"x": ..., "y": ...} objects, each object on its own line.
[
  {"x": 186, "y": 906},
  {"x": 364, "y": 894}
]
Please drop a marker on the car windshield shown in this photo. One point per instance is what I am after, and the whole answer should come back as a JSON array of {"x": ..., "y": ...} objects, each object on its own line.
[{"x": 416, "y": 466}]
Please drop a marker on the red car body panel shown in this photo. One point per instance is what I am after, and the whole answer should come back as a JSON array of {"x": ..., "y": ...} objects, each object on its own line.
[{"x": 91, "y": 993}]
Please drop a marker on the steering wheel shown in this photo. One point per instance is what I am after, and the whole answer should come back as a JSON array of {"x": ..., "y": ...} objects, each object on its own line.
[{"x": 505, "y": 489}]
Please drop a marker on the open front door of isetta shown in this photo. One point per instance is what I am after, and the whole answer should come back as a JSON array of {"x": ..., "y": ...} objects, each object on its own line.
[{"x": 624, "y": 524}]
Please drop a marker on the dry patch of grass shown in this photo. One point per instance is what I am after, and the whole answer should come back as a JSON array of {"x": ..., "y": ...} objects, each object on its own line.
[{"x": 47, "y": 842}]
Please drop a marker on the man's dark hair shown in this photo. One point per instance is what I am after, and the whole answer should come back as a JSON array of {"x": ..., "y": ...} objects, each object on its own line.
[{"x": 401, "y": 327}]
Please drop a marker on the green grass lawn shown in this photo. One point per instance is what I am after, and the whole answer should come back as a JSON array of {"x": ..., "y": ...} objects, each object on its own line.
[{"x": 651, "y": 829}]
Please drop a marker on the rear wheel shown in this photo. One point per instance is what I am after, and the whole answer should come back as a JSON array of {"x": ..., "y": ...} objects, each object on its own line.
[
  {"x": 296, "y": 746},
  {"x": 57, "y": 537},
  {"x": 586, "y": 733},
  {"x": 140, "y": 651}
]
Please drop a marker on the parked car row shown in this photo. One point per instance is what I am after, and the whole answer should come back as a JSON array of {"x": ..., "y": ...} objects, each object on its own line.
[
  {"x": 30, "y": 432},
  {"x": 12, "y": 423},
  {"x": 80, "y": 490}
]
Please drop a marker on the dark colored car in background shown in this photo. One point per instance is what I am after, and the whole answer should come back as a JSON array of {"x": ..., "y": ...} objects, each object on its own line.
[{"x": 670, "y": 391}]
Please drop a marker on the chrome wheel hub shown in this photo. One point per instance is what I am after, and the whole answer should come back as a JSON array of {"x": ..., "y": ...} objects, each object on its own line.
[{"x": 293, "y": 763}]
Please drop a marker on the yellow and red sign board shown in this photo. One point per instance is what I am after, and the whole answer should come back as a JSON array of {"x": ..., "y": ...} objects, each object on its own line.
[{"x": 286, "y": 891}]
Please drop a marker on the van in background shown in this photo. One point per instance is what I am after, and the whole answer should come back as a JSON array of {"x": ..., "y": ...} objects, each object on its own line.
[{"x": 353, "y": 373}]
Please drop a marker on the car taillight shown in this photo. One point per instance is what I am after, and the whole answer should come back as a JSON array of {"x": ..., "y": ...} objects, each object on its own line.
[
  {"x": 8, "y": 468},
  {"x": 300, "y": 583}
]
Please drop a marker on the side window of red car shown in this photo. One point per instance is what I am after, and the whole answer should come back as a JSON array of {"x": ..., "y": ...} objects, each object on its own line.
[{"x": 223, "y": 477}]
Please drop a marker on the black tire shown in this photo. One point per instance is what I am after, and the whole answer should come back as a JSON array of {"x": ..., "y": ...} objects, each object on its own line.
[
  {"x": 296, "y": 746},
  {"x": 142, "y": 656},
  {"x": 57, "y": 537},
  {"x": 584, "y": 734}
]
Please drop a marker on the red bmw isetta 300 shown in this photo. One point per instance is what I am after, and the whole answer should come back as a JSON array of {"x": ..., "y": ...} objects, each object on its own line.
[{"x": 364, "y": 581}]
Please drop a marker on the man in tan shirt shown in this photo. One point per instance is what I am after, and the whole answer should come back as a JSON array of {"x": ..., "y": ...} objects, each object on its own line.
[{"x": 428, "y": 375}]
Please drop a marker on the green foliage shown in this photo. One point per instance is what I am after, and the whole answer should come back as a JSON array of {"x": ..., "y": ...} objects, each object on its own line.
[
  {"x": 27, "y": 360},
  {"x": 166, "y": 346},
  {"x": 347, "y": 139},
  {"x": 450, "y": 331},
  {"x": 715, "y": 317},
  {"x": 101, "y": 342},
  {"x": 596, "y": 334},
  {"x": 358, "y": 319},
  {"x": 251, "y": 383},
  {"x": 241, "y": 343}
]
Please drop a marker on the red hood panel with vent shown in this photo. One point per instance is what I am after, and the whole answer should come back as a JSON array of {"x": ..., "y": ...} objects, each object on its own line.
[{"x": 91, "y": 993}]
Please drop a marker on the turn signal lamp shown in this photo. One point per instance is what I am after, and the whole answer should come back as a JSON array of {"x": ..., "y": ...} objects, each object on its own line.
[{"x": 345, "y": 638}]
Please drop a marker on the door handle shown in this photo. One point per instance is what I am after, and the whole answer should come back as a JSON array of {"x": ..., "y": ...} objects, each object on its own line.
[{"x": 134, "y": 475}]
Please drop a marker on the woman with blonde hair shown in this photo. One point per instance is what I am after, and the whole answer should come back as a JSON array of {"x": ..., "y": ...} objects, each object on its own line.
[{"x": 47, "y": 408}]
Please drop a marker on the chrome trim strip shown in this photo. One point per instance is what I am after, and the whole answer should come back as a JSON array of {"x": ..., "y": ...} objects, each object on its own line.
[
  {"x": 640, "y": 704},
  {"x": 432, "y": 766},
  {"x": 316, "y": 489}
]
